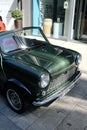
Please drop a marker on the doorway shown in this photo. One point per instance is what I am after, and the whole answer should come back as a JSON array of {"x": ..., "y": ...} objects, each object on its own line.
[
  {"x": 84, "y": 22},
  {"x": 80, "y": 23}
]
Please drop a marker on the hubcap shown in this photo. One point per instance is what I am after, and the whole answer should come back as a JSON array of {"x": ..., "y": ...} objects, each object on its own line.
[{"x": 14, "y": 99}]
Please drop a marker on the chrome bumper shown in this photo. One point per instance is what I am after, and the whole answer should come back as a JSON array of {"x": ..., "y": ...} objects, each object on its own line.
[{"x": 58, "y": 94}]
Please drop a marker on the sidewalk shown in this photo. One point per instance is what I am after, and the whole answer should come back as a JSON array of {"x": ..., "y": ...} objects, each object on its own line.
[{"x": 6, "y": 124}]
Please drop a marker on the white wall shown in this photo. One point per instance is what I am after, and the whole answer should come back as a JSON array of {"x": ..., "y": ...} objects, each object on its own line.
[
  {"x": 5, "y": 11},
  {"x": 27, "y": 12}
]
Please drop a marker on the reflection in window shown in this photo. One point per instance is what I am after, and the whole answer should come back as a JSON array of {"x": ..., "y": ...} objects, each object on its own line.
[{"x": 8, "y": 44}]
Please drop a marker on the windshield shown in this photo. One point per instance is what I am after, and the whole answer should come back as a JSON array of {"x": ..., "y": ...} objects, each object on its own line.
[
  {"x": 30, "y": 33},
  {"x": 21, "y": 39}
]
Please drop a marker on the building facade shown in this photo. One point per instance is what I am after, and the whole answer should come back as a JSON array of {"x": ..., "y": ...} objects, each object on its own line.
[
  {"x": 80, "y": 20},
  {"x": 60, "y": 11},
  {"x": 69, "y": 17}
]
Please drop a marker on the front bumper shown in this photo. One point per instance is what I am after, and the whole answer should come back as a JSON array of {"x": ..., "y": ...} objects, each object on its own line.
[{"x": 58, "y": 94}]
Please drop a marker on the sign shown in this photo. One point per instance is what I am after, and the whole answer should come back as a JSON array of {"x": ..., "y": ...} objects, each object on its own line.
[{"x": 66, "y": 5}]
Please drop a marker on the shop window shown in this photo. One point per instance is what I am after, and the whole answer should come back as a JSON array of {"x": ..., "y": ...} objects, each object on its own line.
[{"x": 56, "y": 10}]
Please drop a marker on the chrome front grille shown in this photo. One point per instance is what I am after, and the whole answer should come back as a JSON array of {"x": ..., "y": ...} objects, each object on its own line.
[{"x": 62, "y": 78}]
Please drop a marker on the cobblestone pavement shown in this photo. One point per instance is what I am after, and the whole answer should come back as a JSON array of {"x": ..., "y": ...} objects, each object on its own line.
[{"x": 70, "y": 113}]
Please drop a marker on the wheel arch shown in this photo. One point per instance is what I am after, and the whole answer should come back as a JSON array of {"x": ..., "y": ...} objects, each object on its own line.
[{"x": 19, "y": 86}]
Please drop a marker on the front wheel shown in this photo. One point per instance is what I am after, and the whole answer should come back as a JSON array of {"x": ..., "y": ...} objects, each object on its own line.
[{"x": 15, "y": 100}]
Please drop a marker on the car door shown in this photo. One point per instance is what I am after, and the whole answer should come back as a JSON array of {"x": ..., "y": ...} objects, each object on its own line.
[{"x": 2, "y": 73}]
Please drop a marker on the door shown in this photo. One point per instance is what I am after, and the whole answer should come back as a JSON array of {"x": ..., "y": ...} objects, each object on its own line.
[
  {"x": 2, "y": 73},
  {"x": 80, "y": 22},
  {"x": 84, "y": 22}
]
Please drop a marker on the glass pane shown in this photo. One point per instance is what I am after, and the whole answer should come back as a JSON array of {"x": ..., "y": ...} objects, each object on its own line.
[
  {"x": 33, "y": 33},
  {"x": 85, "y": 20},
  {"x": 55, "y": 10},
  {"x": 63, "y": 11}
]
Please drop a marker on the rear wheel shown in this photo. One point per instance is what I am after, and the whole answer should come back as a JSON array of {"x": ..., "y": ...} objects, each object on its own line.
[{"x": 15, "y": 100}]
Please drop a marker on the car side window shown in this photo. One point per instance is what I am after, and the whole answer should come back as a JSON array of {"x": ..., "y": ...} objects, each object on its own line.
[{"x": 8, "y": 44}]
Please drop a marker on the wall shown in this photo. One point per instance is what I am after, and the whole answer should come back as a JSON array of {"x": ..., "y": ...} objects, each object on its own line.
[
  {"x": 27, "y": 12},
  {"x": 5, "y": 11}
]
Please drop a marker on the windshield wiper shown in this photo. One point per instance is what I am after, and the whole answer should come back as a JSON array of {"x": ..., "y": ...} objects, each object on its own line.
[{"x": 14, "y": 50}]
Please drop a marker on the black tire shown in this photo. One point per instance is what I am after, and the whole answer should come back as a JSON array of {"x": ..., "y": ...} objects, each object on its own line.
[{"x": 15, "y": 100}]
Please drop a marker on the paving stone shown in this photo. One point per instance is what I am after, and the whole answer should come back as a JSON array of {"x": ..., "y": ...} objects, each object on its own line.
[
  {"x": 6, "y": 124},
  {"x": 77, "y": 120},
  {"x": 48, "y": 121},
  {"x": 2, "y": 102},
  {"x": 40, "y": 111},
  {"x": 37, "y": 126},
  {"x": 21, "y": 120},
  {"x": 6, "y": 111},
  {"x": 24, "y": 120},
  {"x": 80, "y": 91},
  {"x": 65, "y": 105}
]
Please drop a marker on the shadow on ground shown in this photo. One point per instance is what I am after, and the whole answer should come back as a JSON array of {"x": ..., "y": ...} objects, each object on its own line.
[{"x": 70, "y": 113}]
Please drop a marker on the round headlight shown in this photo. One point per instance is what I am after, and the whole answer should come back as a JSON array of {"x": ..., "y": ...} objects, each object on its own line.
[
  {"x": 44, "y": 80},
  {"x": 78, "y": 59}
]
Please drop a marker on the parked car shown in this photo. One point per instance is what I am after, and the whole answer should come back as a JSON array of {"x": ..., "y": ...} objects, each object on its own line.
[{"x": 32, "y": 70}]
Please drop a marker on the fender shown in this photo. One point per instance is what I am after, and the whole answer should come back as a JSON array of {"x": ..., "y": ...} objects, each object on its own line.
[{"x": 18, "y": 83}]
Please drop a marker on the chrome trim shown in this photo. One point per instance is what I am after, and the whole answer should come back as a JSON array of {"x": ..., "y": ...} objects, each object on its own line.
[{"x": 57, "y": 94}]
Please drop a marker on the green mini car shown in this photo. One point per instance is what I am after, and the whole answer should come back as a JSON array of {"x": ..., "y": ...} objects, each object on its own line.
[{"x": 34, "y": 71}]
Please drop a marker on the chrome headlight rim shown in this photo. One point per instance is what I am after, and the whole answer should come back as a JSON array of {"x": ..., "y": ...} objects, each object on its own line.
[{"x": 44, "y": 80}]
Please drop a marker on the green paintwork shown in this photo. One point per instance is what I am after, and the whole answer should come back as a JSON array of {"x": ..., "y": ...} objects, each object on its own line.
[
  {"x": 51, "y": 59},
  {"x": 25, "y": 66}
]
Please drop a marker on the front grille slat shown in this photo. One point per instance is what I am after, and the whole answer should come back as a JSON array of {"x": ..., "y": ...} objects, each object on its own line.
[{"x": 62, "y": 78}]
